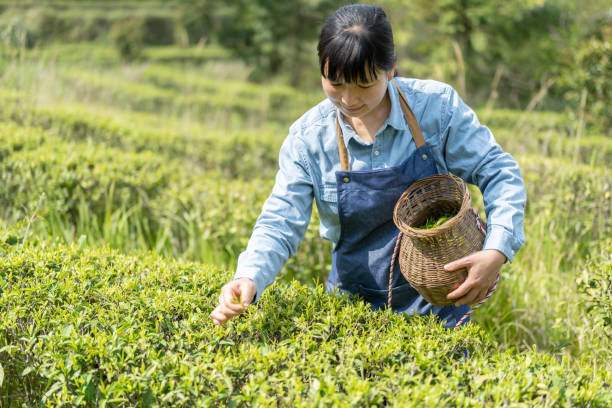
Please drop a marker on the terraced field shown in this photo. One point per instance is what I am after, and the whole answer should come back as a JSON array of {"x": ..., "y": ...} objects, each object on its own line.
[{"x": 128, "y": 191}]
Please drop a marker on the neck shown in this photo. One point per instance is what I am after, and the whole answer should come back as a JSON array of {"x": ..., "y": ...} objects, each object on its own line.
[{"x": 366, "y": 126}]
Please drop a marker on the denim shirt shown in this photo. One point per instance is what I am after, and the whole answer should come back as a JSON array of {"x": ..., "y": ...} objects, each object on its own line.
[{"x": 309, "y": 158}]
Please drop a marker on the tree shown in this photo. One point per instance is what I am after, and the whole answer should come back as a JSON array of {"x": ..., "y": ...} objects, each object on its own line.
[{"x": 270, "y": 35}]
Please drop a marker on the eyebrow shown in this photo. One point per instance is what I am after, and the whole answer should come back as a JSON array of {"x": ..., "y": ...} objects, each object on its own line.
[{"x": 338, "y": 81}]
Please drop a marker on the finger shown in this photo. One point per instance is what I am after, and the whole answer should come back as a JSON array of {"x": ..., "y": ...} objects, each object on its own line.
[
  {"x": 462, "y": 290},
  {"x": 247, "y": 293},
  {"x": 217, "y": 320},
  {"x": 468, "y": 299},
  {"x": 227, "y": 311},
  {"x": 481, "y": 295},
  {"x": 228, "y": 295},
  {"x": 472, "y": 296},
  {"x": 220, "y": 317},
  {"x": 217, "y": 315},
  {"x": 458, "y": 264},
  {"x": 222, "y": 313}
]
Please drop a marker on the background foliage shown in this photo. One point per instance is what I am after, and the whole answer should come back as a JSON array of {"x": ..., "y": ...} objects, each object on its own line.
[{"x": 516, "y": 53}]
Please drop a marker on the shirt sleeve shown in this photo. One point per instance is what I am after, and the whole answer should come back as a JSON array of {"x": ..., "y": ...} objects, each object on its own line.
[
  {"x": 283, "y": 220},
  {"x": 472, "y": 153}
]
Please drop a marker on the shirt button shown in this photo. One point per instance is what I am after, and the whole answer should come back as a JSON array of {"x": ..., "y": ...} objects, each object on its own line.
[
  {"x": 424, "y": 157},
  {"x": 346, "y": 179},
  {"x": 376, "y": 153}
]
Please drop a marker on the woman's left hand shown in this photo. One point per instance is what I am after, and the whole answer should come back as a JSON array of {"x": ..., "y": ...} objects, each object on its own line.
[{"x": 482, "y": 267}]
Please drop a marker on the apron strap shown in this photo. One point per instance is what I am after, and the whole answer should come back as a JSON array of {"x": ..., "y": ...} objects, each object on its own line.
[
  {"x": 413, "y": 125},
  {"x": 344, "y": 160}
]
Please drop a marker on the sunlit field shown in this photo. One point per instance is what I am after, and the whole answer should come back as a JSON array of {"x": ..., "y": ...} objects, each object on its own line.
[{"x": 129, "y": 189}]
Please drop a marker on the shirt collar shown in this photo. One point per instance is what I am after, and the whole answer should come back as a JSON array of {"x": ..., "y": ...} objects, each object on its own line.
[
  {"x": 395, "y": 119},
  {"x": 396, "y": 116}
]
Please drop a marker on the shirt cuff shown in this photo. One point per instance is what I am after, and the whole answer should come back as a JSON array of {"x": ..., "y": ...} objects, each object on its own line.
[
  {"x": 254, "y": 276},
  {"x": 501, "y": 239}
]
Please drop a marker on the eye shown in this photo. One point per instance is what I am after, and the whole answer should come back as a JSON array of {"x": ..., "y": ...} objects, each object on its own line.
[
  {"x": 366, "y": 86},
  {"x": 336, "y": 84}
]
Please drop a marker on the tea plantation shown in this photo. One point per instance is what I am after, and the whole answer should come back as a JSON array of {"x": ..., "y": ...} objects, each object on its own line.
[{"x": 127, "y": 192}]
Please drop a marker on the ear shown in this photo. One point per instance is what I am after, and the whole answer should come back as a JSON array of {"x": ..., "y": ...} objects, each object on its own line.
[{"x": 391, "y": 72}]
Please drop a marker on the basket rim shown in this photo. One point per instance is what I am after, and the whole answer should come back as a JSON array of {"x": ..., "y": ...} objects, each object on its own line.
[{"x": 432, "y": 232}]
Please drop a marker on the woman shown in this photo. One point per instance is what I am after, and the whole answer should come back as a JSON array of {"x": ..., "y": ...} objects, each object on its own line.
[{"x": 355, "y": 153}]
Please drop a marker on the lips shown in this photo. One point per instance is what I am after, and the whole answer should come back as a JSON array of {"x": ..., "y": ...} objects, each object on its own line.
[{"x": 353, "y": 109}]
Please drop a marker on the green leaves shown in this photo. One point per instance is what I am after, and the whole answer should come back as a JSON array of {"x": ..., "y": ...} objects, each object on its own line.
[
  {"x": 595, "y": 283},
  {"x": 93, "y": 326},
  {"x": 67, "y": 330}
]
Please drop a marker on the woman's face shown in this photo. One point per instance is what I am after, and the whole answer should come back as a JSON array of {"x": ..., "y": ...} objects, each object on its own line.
[{"x": 361, "y": 99}]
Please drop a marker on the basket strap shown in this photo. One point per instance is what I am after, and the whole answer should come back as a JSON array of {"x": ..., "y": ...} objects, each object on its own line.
[
  {"x": 395, "y": 251},
  {"x": 482, "y": 226}
]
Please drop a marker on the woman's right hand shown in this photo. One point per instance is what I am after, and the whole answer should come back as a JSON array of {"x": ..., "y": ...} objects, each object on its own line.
[{"x": 234, "y": 299}]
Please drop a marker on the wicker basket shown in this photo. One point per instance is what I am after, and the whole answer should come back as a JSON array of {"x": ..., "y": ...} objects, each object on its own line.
[{"x": 424, "y": 252}]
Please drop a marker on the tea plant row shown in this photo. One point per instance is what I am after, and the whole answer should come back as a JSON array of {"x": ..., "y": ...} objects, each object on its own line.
[
  {"x": 143, "y": 199},
  {"x": 80, "y": 326}
]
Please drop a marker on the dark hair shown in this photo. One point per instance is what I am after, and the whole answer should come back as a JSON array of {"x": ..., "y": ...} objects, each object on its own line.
[{"x": 354, "y": 42}]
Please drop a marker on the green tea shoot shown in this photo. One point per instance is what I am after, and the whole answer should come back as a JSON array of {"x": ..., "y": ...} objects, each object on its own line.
[{"x": 434, "y": 222}]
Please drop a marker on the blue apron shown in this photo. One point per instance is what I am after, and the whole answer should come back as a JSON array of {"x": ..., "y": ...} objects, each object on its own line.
[{"x": 362, "y": 256}]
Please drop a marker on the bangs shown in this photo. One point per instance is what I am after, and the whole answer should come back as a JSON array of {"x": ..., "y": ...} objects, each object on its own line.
[{"x": 350, "y": 58}]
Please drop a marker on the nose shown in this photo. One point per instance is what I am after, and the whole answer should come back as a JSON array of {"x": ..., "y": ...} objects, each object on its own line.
[{"x": 349, "y": 97}]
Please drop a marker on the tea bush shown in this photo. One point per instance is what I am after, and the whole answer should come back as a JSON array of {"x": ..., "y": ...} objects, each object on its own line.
[
  {"x": 282, "y": 101},
  {"x": 86, "y": 53},
  {"x": 148, "y": 97},
  {"x": 211, "y": 149},
  {"x": 82, "y": 326},
  {"x": 128, "y": 36},
  {"x": 195, "y": 55},
  {"x": 560, "y": 143},
  {"x": 551, "y": 134},
  {"x": 239, "y": 102},
  {"x": 188, "y": 198},
  {"x": 596, "y": 284},
  {"x": 97, "y": 54},
  {"x": 172, "y": 89},
  {"x": 510, "y": 119},
  {"x": 72, "y": 173},
  {"x": 193, "y": 216},
  {"x": 128, "y": 198},
  {"x": 137, "y": 200}
]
